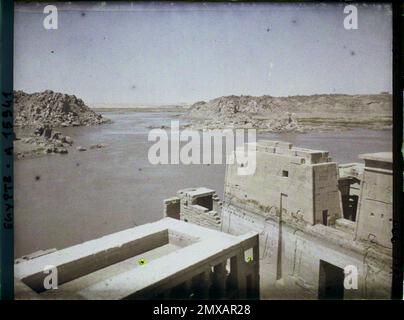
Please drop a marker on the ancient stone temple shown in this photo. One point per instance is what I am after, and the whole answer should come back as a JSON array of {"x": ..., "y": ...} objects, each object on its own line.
[
  {"x": 320, "y": 224},
  {"x": 167, "y": 259}
]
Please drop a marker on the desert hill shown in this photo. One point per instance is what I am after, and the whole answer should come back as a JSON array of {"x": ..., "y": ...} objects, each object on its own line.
[
  {"x": 294, "y": 113},
  {"x": 53, "y": 109}
]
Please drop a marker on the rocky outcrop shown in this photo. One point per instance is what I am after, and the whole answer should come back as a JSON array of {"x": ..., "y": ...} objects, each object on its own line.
[
  {"x": 293, "y": 113},
  {"x": 53, "y": 109},
  {"x": 40, "y": 113},
  {"x": 44, "y": 140}
]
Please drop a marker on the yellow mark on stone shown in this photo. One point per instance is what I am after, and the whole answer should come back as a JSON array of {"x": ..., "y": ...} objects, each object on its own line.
[
  {"x": 142, "y": 261},
  {"x": 249, "y": 259}
]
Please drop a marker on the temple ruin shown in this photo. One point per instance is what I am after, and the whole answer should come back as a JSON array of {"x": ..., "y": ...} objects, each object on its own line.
[
  {"x": 167, "y": 259},
  {"x": 196, "y": 205},
  {"x": 316, "y": 220}
]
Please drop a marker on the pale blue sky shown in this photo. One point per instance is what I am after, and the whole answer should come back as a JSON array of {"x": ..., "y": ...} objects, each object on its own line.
[{"x": 172, "y": 53}]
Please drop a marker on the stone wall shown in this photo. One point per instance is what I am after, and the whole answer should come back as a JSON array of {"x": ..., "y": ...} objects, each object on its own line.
[
  {"x": 293, "y": 201},
  {"x": 291, "y": 254},
  {"x": 200, "y": 206},
  {"x": 172, "y": 208},
  {"x": 327, "y": 203},
  {"x": 304, "y": 182},
  {"x": 375, "y": 209}
]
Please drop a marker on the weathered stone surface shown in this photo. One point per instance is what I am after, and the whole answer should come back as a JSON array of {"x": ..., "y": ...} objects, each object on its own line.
[
  {"x": 293, "y": 113},
  {"x": 54, "y": 109},
  {"x": 296, "y": 215},
  {"x": 175, "y": 253},
  {"x": 376, "y": 209},
  {"x": 97, "y": 146},
  {"x": 44, "y": 140},
  {"x": 67, "y": 140},
  {"x": 294, "y": 201},
  {"x": 200, "y": 206},
  {"x": 44, "y": 111}
]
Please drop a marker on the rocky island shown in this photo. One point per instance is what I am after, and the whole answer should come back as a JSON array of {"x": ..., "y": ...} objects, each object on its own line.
[
  {"x": 293, "y": 113},
  {"x": 38, "y": 116}
]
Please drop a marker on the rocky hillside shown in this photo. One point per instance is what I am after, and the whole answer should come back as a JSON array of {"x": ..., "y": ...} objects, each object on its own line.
[
  {"x": 293, "y": 113},
  {"x": 53, "y": 109}
]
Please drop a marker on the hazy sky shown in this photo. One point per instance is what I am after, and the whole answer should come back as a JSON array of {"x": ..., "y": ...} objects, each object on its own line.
[{"x": 173, "y": 52}]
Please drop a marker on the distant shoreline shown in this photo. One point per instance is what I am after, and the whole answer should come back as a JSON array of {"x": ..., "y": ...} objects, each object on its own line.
[{"x": 140, "y": 109}]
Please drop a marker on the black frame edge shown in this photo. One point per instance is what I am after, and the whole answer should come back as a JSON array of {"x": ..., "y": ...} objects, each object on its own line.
[
  {"x": 6, "y": 147},
  {"x": 397, "y": 232}
]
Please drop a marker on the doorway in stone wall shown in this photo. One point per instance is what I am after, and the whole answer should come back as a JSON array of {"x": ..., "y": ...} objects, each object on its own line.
[
  {"x": 331, "y": 281},
  {"x": 205, "y": 201},
  {"x": 325, "y": 217}
]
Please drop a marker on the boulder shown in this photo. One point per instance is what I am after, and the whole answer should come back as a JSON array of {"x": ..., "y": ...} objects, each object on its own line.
[
  {"x": 67, "y": 139},
  {"x": 97, "y": 146}
]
